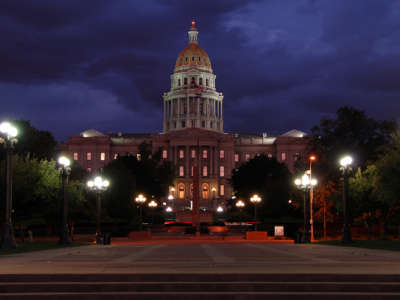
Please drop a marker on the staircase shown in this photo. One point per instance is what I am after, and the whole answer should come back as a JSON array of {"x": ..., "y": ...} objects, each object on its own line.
[{"x": 200, "y": 286}]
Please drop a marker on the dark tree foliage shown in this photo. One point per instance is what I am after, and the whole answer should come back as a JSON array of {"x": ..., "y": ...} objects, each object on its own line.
[
  {"x": 268, "y": 178},
  {"x": 351, "y": 132},
  {"x": 129, "y": 176},
  {"x": 37, "y": 143}
]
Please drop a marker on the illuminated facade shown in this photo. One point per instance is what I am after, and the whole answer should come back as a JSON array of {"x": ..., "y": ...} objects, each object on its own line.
[{"x": 192, "y": 129}]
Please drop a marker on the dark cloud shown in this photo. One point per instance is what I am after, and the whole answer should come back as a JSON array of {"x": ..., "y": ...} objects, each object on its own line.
[{"x": 280, "y": 64}]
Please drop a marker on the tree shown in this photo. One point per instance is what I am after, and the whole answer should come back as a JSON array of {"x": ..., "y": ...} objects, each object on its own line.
[
  {"x": 130, "y": 176},
  {"x": 268, "y": 178},
  {"x": 37, "y": 143},
  {"x": 351, "y": 132}
]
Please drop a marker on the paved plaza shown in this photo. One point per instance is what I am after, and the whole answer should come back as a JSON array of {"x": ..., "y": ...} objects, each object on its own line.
[{"x": 203, "y": 256}]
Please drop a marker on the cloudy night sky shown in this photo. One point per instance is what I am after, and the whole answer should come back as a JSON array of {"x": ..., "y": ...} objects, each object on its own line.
[{"x": 72, "y": 65}]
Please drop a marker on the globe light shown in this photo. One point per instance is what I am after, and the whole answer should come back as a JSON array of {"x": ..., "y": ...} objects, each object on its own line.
[
  {"x": 297, "y": 181},
  {"x": 153, "y": 204},
  {"x": 90, "y": 184},
  {"x": 345, "y": 161},
  {"x": 8, "y": 129},
  {"x": 64, "y": 161},
  {"x": 140, "y": 199},
  {"x": 255, "y": 199},
  {"x": 168, "y": 209},
  {"x": 305, "y": 180},
  {"x": 170, "y": 197},
  {"x": 314, "y": 182},
  {"x": 240, "y": 204},
  {"x": 220, "y": 209}
]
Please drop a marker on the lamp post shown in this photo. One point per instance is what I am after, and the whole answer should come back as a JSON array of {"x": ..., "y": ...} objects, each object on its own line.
[
  {"x": 98, "y": 185},
  {"x": 140, "y": 199},
  {"x": 305, "y": 183},
  {"x": 65, "y": 170},
  {"x": 312, "y": 158},
  {"x": 255, "y": 199},
  {"x": 152, "y": 204},
  {"x": 240, "y": 204},
  {"x": 8, "y": 133},
  {"x": 345, "y": 163}
]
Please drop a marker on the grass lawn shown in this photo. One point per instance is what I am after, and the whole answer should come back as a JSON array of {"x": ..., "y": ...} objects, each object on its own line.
[
  {"x": 373, "y": 244},
  {"x": 37, "y": 246}
]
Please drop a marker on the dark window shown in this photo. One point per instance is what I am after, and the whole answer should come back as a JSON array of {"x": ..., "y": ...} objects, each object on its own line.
[
  {"x": 199, "y": 58},
  {"x": 192, "y": 58},
  {"x": 201, "y": 81},
  {"x": 185, "y": 81},
  {"x": 183, "y": 124},
  {"x": 206, "y": 82},
  {"x": 203, "y": 124},
  {"x": 179, "y": 82},
  {"x": 187, "y": 59}
]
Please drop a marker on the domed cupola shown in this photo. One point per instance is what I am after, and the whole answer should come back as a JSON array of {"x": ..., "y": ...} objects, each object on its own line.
[{"x": 193, "y": 101}]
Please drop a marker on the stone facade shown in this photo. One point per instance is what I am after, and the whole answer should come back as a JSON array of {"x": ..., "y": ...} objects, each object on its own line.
[{"x": 192, "y": 129}]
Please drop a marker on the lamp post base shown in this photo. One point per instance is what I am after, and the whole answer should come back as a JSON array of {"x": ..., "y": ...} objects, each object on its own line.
[
  {"x": 346, "y": 239},
  {"x": 98, "y": 238},
  {"x": 64, "y": 238},
  {"x": 7, "y": 238}
]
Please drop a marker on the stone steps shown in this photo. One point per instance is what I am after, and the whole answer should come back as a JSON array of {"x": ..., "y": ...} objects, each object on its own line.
[{"x": 199, "y": 286}]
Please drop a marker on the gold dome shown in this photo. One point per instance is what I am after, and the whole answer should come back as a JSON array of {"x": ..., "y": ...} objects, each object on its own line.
[{"x": 193, "y": 55}]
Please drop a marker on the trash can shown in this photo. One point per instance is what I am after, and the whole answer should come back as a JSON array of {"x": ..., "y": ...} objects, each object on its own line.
[
  {"x": 107, "y": 238},
  {"x": 298, "y": 237}
]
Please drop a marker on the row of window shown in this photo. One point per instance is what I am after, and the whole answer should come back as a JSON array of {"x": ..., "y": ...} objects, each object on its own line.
[
  {"x": 181, "y": 155},
  {"x": 193, "y": 124},
  {"x": 204, "y": 171},
  {"x": 205, "y": 191}
]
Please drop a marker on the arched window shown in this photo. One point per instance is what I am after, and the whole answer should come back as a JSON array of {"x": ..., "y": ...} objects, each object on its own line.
[
  {"x": 205, "y": 171},
  {"x": 181, "y": 191},
  {"x": 200, "y": 81},
  {"x": 204, "y": 191}
]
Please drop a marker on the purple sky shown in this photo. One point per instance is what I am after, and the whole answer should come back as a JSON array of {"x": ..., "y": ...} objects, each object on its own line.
[{"x": 73, "y": 65}]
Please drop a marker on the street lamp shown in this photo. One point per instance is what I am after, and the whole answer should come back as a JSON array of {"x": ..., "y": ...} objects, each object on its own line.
[
  {"x": 9, "y": 134},
  {"x": 312, "y": 159},
  {"x": 65, "y": 170},
  {"x": 220, "y": 209},
  {"x": 240, "y": 204},
  {"x": 255, "y": 199},
  {"x": 140, "y": 199},
  {"x": 345, "y": 163},
  {"x": 152, "y": 204},
  {"x": 98, "y": 185},
  {"x": 305, "y": 183}
]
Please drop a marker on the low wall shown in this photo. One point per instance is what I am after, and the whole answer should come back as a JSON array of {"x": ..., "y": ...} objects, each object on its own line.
[
  {"x": 256, "y": 235},
  {"x": 139, "y": 235}
]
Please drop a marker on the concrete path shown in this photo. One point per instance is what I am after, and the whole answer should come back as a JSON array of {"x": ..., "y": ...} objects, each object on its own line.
[{"x": 204, "y": 257}]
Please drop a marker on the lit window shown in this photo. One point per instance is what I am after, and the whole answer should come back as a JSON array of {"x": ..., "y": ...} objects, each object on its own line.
[
  {"x": 89, "y": 156},
  {"x": 205, "y": 191},
  {"x": 101, "y": 170},
  {"x": 89, "y": 170},
  {"x": 283, "y": 156},
  {"x": 102, "y": 156},
  {"x": 221, "y": 171},
  {"x": 205, "y": 152},
  {"x": 181, "y": 191},
  {"x": 205, "y": 171},
  {"x": 164, "y": 154},
  {"x": 247, "y": 156},
  {"x": 269, "y": 155},
  {"x": 236, "y": 157},
  {"x": 75, "y": 155},
  {"x": 115, "y": 155},
  {"x": 221, "y": 190},
  {"x": 181, "y": 153},
  {"x": 181, "y": 171},
  {"x": 221, "y": 154},
  {"x": 193, "y": 153},
  {"x": 192, "y": 171},
  {"x": 138, "y": 156}
]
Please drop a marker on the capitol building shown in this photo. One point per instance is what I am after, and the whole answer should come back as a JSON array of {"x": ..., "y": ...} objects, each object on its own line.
[{"x": 193, "y": 131}]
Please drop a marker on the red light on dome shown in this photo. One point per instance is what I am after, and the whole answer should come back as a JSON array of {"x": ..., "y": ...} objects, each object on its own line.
[{"x": 193, "y": 23}]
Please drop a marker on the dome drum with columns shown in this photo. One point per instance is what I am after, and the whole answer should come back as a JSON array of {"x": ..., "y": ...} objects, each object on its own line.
[{"x": 193, "y": 101}]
